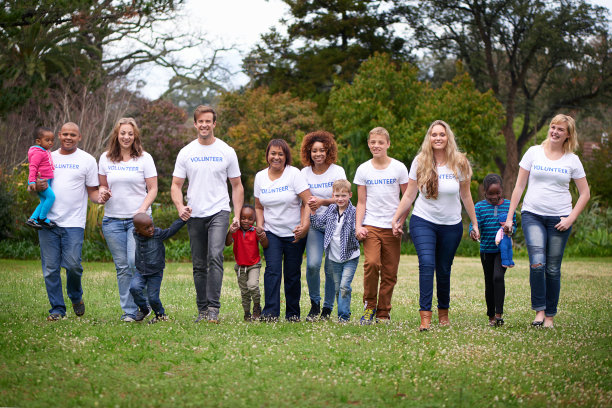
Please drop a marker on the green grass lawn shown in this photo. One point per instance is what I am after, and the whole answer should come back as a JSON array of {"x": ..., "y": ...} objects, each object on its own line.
[{"x": 97, "y": 360}]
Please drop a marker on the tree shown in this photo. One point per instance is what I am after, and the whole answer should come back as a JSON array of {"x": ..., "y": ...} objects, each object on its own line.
[
  {"x": 390, "y": 95},
  {"x": 537, "y": 57},
  {"x": 325, "y": 40},
  {"x": 248, "y": 120}
]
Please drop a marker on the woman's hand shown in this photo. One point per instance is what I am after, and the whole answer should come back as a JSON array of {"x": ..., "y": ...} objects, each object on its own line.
[
  {"x": 475, "y": 233},
  {"x": 299, "y": 232},
  {"x": 508, "y": 228},
  {"x": 564, "y": 224},
  {"x": 473, "y": 236},
  {"x": 398, "y": 228},
  {"x": 104, "y": 194},
  {"x": 314, "y": 203}
]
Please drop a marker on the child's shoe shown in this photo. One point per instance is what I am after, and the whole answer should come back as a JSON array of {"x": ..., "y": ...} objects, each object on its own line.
[
  {"x": 315, "y": 309},
  {"x": 31, "y": 222},
  {"x": 326, "y": 313},
  {"x": 46, "y": 223},
  {"x": 256, "y": 311},
  {"x": 141, "y": 314},
  {"x": 368, "y": 316},
  {"x": 159, "y": 318}
]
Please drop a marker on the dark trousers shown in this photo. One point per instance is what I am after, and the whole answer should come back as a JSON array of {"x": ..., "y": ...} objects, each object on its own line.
[
  {"x": 495, "y": 287},
  {"x": 153, "y": 284},
  {"x": 283, "y": 257}
]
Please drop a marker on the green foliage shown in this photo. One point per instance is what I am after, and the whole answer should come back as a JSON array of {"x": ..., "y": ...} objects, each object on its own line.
[
  {"x": 598, "y": 169},
  {"x": 249, "y": 120},
  {"x": 390, "y": 95},
  {"x": 592, "y": 231}
]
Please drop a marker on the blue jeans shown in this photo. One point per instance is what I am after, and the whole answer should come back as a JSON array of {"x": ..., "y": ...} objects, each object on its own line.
[
  {"x": 314, "y": 256},
  {"x": 47, "y": 198},
  {"x": 283, "y": 257},
  {"x": 61, "y": 247},
  {"x": 435, "y": 246},
  {"x": 343, "y": 277},
  {"x": 545, "y": 245},
  {"x": 153, "y": 284},
  {"x": 207, "y": 240},
  {"x": 119, "y": 236}
]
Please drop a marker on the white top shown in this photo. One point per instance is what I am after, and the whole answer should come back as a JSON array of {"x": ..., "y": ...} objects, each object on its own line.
[
  {"x": 383, "y": 191},
  {"x": 126, "y": 181},
  {"x": 334, "y": 249},
  {"x": 321, "y": 184},
  {"x": 444, "y": 210},
  {"x": 207, "y": 167},
  {"x": 280, "y": 200},
  {"x": 72, "y": 175},
  {"x": 548, "y": 192}
]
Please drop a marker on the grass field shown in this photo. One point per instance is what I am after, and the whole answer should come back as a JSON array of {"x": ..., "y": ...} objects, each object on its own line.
[{"x": 97, "y": 360}]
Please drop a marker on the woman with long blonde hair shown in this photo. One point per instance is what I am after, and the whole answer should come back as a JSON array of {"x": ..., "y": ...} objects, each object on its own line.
[{"x": 441, "y": 174}]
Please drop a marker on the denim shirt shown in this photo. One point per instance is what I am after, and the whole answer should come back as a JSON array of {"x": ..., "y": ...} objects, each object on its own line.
[{"x": 151, "y": 252}]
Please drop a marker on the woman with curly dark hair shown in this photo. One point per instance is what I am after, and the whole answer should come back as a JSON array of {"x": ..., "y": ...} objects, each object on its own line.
[{"x": 319, "y": 153}]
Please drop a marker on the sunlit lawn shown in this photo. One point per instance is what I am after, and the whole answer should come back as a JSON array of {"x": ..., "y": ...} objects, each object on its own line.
[{"x": 98, "y": 360}]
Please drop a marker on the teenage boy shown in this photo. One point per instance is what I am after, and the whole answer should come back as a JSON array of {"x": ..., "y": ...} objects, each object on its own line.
[
  {"x": 340, "y": 244},
  {"x": 75, "y": 180},
  {"x": 379, "y": 183},
  {"x": 208, "y": 163}
]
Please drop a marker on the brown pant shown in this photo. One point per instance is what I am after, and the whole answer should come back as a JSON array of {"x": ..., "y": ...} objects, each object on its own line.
[{"x": 382, "y": 254}]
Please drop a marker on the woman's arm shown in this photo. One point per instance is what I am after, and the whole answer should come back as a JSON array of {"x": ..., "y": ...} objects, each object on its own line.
[
  {"x": 468, "y": 204},
  {"x": 517, "y": 193},
  {"x": 151, "y": 194},
  {"x": 585, "y": 193},
  {"x": 301, "y": 230},
  {"x": 397, "y": 223}
]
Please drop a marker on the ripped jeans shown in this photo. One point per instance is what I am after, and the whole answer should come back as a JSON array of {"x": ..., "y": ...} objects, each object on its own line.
[{"x": 545, "y": 245}]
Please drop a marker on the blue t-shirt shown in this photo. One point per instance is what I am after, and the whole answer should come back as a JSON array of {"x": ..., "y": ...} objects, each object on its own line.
[{"x": 488, "y": 223}]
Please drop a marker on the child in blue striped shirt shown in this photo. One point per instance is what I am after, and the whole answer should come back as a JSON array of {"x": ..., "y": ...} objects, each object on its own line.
[{"x": 487, "y": 214}]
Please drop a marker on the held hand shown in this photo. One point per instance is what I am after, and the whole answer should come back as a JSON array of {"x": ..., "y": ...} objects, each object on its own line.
[
  {"x": 185, "y": 213},
  {"x": 104, "y": 194},
  {"x": 41, "y": 184},
  {"x": 299, "y": 232},
  {"x": 398, "y": 229},
  {"x": 260, "y": 232},
  {"x": 564, "y": 224},
  {"x": 32, "y": 188},
  {"x": 234, "y": 227},
  {"x": 508, "y": 227},
  {"x": 236, "y": 222},
  {"x": 475, "y": 234},
  {"x": 361, "y": 233},
  {"x": 314, "y": 203}
]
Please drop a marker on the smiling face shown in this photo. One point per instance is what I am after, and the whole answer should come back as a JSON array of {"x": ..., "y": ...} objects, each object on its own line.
[
  {"x": 247, "y": 218},
  {"x": 557, "y": 133},
  {"x": 438, "y": 138},
  {"x": 205, "y": 124},
  {"x": 318, "y": 153},
  {"x": 126, "y": 136},
  {"x": 342, "y": 198},
  {"x": 276, "y": 158},
  {"x": 69, "y": 137},
  {"x": 494, "y": 194},
  {"x": 46, "y": 140},
  {"x": 378, "y": 144}
]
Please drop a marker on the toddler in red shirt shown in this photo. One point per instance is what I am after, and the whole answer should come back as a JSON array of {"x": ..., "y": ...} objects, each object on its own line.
[{"x": 248, "y": 260}]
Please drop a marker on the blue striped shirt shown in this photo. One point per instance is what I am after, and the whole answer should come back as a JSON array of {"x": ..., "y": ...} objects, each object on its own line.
[{"x": 488, "y": 223}]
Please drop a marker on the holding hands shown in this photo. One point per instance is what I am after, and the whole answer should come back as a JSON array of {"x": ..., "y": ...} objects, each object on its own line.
[
  {"x": 185, "y": 213},
  {"x": 314, "y": 203},
  {"x": 104, "y": 194},
  {"x": 299, "y": 232}
]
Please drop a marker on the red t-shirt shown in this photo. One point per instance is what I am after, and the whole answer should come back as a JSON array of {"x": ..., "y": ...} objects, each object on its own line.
[{"x": 246, "y": 247}]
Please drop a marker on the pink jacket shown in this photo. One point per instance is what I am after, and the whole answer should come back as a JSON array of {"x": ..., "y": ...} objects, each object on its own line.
[{"x": 40, "y": 162}]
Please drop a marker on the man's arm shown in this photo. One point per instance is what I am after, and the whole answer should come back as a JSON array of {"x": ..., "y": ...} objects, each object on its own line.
[
  {"x": 176, "y": 193},
  {"x": 237, "y": 198},
  {"x": 95, "y": 196}
]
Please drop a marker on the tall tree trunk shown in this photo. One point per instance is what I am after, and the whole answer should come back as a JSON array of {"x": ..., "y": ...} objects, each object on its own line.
[{"x": 512, "y": 159}]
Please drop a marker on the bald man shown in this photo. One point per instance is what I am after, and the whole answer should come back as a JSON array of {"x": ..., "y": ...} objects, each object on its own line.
[{"x": 75, "y": 180}]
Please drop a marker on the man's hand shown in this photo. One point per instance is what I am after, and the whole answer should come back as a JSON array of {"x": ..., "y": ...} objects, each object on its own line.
[{"x": 185, "y": 213}]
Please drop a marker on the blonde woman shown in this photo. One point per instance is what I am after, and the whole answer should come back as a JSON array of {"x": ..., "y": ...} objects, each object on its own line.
[
  {"x": 129, "y": 173},
  {"x": 547, "y": 214},
  {"x": 441, "y": 174}
]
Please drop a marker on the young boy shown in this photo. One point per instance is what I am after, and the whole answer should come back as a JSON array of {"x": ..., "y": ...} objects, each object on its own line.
[
  {"x": 379, "y": 183},
  {"x": 248, "y": 262},
  {"x": 150, "y": 264},
  {"x": 340, "y": 243}
]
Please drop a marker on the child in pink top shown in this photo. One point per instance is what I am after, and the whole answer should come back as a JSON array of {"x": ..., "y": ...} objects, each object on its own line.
[{"x": 41, "y": 165}]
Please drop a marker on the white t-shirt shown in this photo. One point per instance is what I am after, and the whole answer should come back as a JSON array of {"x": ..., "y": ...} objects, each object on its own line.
[
  {"x": 280, "y": 200},
  {"x": 321, "y": 184},
  {"x": 73, "y": 173},
  {"x": 383, "y": 191},
  {"x": 548, "y": 191},
  {"x": 446, "y": 209},
  {"x": 126, "y": 180},
  {"x": 207, "y": 167},
  {"x": 335, "y": 250}
]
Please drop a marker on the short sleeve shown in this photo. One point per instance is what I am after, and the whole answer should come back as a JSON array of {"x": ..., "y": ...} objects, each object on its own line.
[
  {"x": 180, "y": 170},
  {"x": 360, "y": 176},
  {"x": 413, "y": 170},
  {"x": 527, "y": 159},
  {"x": 149, "y": 166},
  {"x": 341, "y": 173},
  {"x": 102, "y": 167},
  {"x": 233, "y": 169},
  {"x": 299, "y": 181},
  {"x": 91, "y": 179},
  {"x": 257, "y": 185},
  {"x": 403, "y": 173},
  {"x": 577, "y": 169}
]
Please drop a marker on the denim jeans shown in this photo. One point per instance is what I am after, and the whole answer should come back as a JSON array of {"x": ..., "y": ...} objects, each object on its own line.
[
  {"x": 61, "y": 247},
  {"x": 119, "y": 236},
  {"x": 343, "y": 277},
  {"x": 545, "y": 245},
  {"x": 153, "y": 284},
  {"x": 314, "y": 256},
  {"x": 207, "y": 240},
  {"x": 283, "y": 257},
  {"x": 47, "y": 198},
  {"x": 435, "y": 246}
]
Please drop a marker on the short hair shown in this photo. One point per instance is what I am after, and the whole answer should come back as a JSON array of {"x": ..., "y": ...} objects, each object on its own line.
[
  {"x": 571, "y": 143},
  {"x": 380, "y": 131},
  {"x": 331, "y": 149},
  {"x": 114, "y": 148},
  {"x": 204, "y": 109},
  {"x": 341, "y": 184},
  {"x": 491, "y": 179},
  {"x": 142, "y": 219},
  {"x": 40, "y": 131},
  {"x": 247, "y": 206},
  {"x": 285, "y": 148}
]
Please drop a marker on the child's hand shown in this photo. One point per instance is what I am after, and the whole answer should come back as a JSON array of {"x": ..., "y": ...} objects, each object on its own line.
[
  {"x": 32, "y": 187},
  {"x": 361, "y": 233},
  {"x": 475, "y": 232},
  {"x": 234, "y": 227},
  {"x": 508, "y": 227},
  {"x": 473, "y": 235},
  {"x": 314, "y": 203},
  {"x": 185, "y": 213},
  {"x": 260, "y": 233}
]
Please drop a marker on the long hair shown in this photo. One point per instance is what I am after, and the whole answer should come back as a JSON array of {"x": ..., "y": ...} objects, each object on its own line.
[
  {"x": 331, "y": 149},
  {"x": 427, "y": 172},
  {"x": 114, "y": 148},
  {"x": 571, "y": 143}
]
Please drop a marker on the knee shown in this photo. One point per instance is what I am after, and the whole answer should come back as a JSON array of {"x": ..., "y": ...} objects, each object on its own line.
[
  {"x": 537, "y": 266},
  {"x": 345, "y": 291}
]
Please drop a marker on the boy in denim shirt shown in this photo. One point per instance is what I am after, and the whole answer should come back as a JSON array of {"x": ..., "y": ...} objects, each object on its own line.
[{"x": 150, "y": 264}]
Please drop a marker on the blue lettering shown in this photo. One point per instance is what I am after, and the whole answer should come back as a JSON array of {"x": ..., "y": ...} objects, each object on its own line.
[
  {"x": 122, "y": 168},
  {"x": 274, "y": 190},
  {"x": 66, "y": 166},
  {"x": 381, "y": 181},
  {"x": 206, "y": 159},
  {"x": 321, "y": 185},
  {"x": 446, "y": 177},
  {"x": 550, "y": 169}
]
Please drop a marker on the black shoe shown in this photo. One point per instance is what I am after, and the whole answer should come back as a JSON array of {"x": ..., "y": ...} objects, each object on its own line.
[
  {"x": 141, "y": 314},
  {"x": 537, "y": 323},
  {"x": 31, "y": 222},
  {"x": 326, "y": 313},
  {"x": 159, "y": 318},
  {"x": 79, "y": 308},
  {"x": 315, "y": 309},
  {"x": 499, "y": 321},
  {"x": 46, "y": 224},
  {"x": 247, "y": 316}
]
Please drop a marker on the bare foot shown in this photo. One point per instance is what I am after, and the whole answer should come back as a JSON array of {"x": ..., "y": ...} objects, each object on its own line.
[{"x": 548, "y": 322}]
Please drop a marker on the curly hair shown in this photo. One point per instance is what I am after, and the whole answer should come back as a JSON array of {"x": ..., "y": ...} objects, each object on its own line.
[
  {"x": 114, "y": 149},
  {"x": 331, "y": 149}
]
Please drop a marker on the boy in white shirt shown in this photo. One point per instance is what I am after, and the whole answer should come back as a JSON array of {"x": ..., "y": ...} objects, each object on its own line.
[{"x": 379, "y": 183}]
